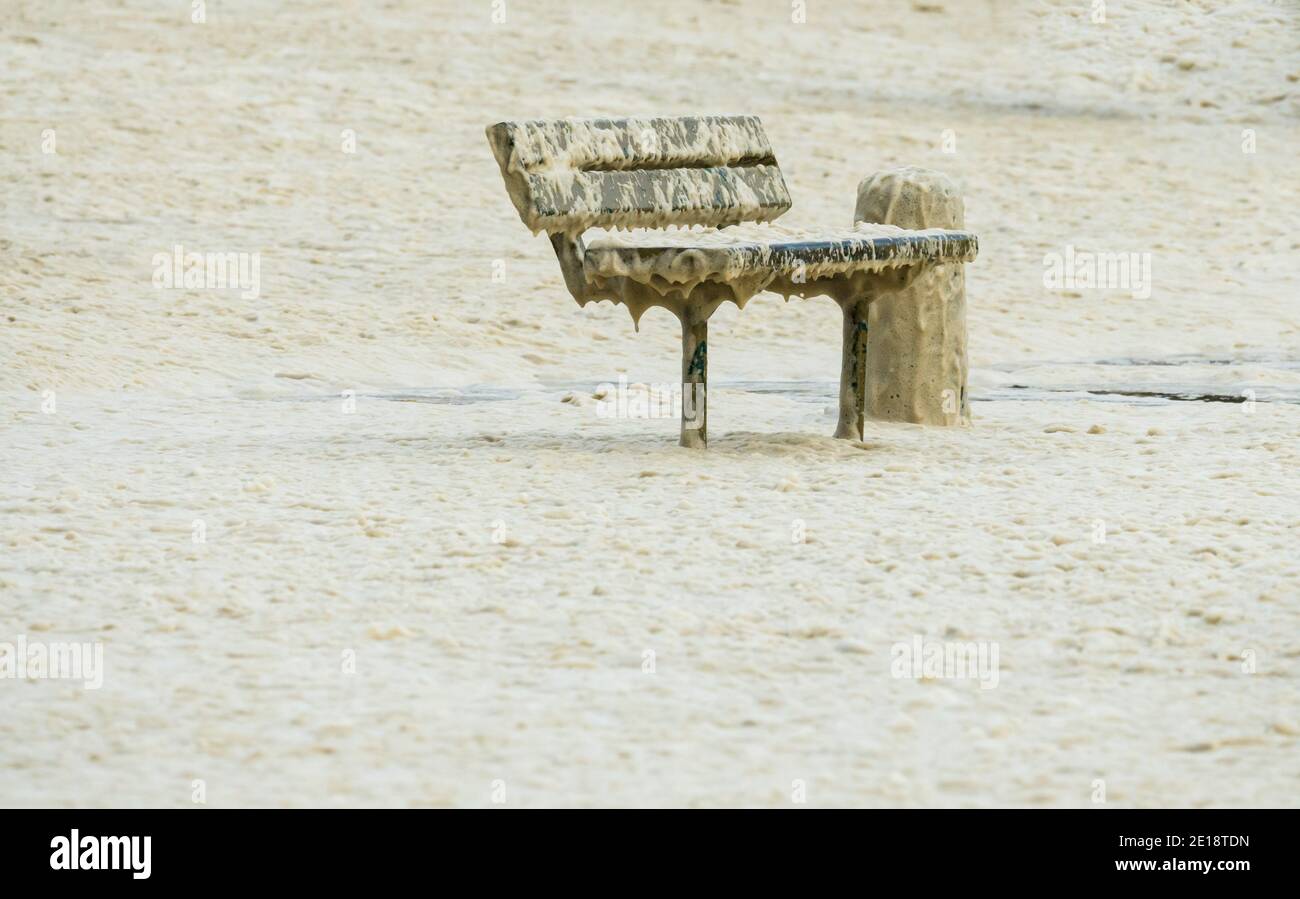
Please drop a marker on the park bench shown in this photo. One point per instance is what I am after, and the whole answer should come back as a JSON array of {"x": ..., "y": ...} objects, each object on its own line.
[{"x": 568, "y": 176}]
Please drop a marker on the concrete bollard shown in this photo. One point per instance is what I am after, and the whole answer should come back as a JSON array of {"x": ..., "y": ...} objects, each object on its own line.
[{"x": 916, "y": 337}]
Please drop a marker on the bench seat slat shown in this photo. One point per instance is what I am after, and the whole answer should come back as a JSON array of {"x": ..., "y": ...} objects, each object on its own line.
[{"x": 691, "y": 257}]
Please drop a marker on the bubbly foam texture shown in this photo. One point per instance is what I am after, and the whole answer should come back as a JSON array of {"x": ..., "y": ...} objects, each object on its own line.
[{"x": 710, "y": 265}]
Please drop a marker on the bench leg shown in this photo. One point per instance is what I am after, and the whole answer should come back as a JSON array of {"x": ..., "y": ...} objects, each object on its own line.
[
  {"x": 695, "y": 377},
  {"x": 853, "y": 370}
]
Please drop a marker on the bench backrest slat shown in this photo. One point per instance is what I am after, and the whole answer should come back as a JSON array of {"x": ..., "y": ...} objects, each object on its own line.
[{"x": 573, "y": 174}]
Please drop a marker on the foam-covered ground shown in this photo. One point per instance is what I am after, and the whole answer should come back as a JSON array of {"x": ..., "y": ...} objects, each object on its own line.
[{"x": 496, "y": 559}]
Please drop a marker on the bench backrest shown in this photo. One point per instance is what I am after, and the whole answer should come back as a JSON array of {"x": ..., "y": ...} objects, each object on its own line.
[{"x": 568, "y": 175}]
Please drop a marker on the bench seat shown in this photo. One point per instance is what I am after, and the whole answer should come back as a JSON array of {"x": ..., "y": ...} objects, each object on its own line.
[{"x": 685, "y": 258}]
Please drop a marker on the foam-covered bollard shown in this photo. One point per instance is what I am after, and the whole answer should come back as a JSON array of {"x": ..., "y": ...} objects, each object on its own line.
[{"x": 916, "y": 337}]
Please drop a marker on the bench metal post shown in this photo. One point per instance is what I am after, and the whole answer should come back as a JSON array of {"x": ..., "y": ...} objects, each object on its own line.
[
  {"x": 853, "y": 369},
  {"x": 695, "y": 376}
]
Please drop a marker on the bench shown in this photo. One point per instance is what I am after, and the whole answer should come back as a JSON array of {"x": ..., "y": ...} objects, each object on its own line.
[{"x": 568, "y": 176}]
